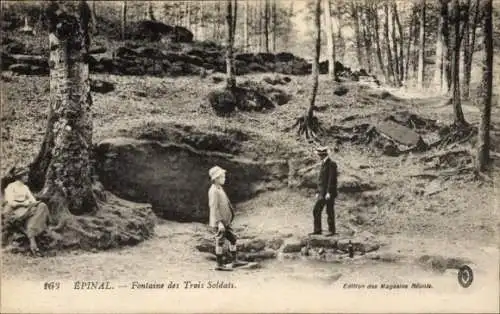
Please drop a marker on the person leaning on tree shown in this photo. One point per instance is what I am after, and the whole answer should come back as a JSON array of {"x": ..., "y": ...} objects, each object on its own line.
[
  {"x": 21, "y": 211},
  {"x": 326, "y": 192}
]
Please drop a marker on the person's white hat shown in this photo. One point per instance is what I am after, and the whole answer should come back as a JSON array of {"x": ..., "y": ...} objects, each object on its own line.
[
  {"x": 215, "y": 172},
  {"x": 322, "y": 150}
]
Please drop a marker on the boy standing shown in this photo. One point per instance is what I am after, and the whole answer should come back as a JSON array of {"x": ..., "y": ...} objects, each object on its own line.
[{"x": 221, "y": 217}]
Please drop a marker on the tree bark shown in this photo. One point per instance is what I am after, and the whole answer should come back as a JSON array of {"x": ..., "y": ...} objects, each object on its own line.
[
  {"x": 124, "y": 20},
  {"x": 260, "y": 15},
  {"x": 457, "y": 106},
  {"x": 64, "y": 161},
  {"x": 483, "y": 148},
  {"x": 231, "y": 23},
  {"x": 421, "y": 52},
  {"x": 330, "y": 40}
]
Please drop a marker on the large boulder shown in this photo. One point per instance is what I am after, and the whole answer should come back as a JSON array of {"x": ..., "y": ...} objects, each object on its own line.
[{"x": 174, "y": 177}]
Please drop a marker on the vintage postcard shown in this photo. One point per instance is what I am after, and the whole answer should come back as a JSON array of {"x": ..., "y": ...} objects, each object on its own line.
[{"x": 233, "y": 156}]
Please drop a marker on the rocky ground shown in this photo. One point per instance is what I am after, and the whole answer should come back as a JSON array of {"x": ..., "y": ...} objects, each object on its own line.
[{"x": 424, "y": 213}]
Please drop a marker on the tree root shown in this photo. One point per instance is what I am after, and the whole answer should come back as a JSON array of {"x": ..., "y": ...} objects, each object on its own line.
[
  {"x": 310, "y": 128},
  {"x": 456, "y": 134}
]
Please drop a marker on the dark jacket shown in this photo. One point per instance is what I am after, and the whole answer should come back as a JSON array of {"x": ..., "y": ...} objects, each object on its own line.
[{"x": 327, "y": 179}]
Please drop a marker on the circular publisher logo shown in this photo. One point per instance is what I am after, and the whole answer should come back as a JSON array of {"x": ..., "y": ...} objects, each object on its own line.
[{"x": 465, "y": 276}]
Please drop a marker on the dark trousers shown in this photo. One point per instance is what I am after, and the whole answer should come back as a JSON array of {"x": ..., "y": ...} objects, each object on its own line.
[{"x": 318, "y": 208}]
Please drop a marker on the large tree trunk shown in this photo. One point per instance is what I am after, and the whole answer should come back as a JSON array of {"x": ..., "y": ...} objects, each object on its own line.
[
  {"x": 390, "y": 69},
  {"x": 231, "y": 23},
  {"x": 457, "y": 106},
  {"x": 421, "y": 52},
  {"x": 330, "y": 40},
  {"x": 124, "y": 20},
  {"x": 64, "y": 161},
  {"x": 483, "y": 149}
]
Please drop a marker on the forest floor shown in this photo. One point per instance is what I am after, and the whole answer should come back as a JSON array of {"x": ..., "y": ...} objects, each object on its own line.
[{"x": 459, "y": 219}]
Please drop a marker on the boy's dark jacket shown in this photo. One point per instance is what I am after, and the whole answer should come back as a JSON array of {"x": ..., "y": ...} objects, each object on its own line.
[{"x": 327, "y": 179}]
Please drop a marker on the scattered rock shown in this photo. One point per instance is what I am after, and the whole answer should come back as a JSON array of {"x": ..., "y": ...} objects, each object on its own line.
[
  {"x": 275, "y": 244},
  {"x": 292, "y": 246},
  {"x": 341, "y": 90},
  {"x": 100, "y": 86}
]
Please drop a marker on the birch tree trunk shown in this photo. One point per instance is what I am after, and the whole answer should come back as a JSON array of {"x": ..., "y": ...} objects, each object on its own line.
[
  {"x": 390, "y": 68},
  {"x": 230, "y": 23},
  {"x": 330, "y": 40},
  {"x": 315, "y": 65},
  {"x": 483, "y": 148},
  {"x": 63, "y": 166},
  {"x": 266, "y": 24},
  {"x": 245, "y": 27},
  {"x": 421, "y": 53},
  {"x": 457, "y": 106},
  {"x": 124, "y": 20},
  {"x": 357, "y": 33}
]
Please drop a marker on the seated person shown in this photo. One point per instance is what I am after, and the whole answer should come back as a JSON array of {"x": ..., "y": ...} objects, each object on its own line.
[{"x": 22, "y": 211}]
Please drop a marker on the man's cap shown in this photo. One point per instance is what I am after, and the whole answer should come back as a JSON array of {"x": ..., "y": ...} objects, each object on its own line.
[
  {"x": 322, "y": 150},
  {"x": 215, "y": 172}
]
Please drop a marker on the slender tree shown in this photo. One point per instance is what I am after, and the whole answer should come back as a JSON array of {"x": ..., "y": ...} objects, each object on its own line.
[
  {"x": 357, "y": 32},
  {"x": 266, "y": 24},
  {"x": 395, "y": 45},
  {"x": 469, "y": 44},
  {"x": 421, "y": 48},
  {"x": 63, "y": 168},
  {"x": 124, "y": 20},
  {"x": 483, "y": 148},
  {"x": 457, "y": 106},
  {"x": 231, "y": 10},
  {"x": 330, "y": 40},
  {"x": 376, "y": 31},
  {"x": 245, "y": 27},
  {"x": 401, "y": 40},
  {"x": 274, "y": 24},
  {"x": 388, "y": 52},
  {"x": 367, "y": 37},
  {"x": 309, "y": 124},
  {"x": 150, "y": 12}
]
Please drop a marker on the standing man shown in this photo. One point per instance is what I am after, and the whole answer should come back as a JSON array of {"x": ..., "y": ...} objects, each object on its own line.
[{"x": 326, "y": 193}]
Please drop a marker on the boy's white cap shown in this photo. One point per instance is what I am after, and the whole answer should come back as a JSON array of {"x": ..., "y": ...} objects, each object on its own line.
[{"x": 215, "y": 172}]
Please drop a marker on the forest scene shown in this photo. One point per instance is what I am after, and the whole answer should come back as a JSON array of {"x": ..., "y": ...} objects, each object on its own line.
[{"x": 115, "y": 112}]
